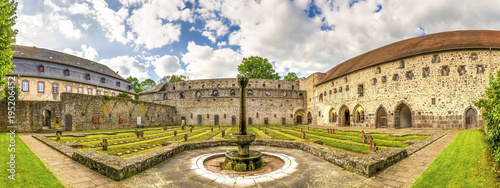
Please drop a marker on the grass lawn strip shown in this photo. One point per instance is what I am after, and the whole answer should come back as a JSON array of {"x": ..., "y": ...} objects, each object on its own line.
[
  {"x": 466, "y": 162},
  {"x": 346, "y": 145},
  {"x": 113, "y": 130},
  {"x": 276, "y": 135},
  {"x": 260, "y": 133},
  {"x": 379, "y": 142},
  {"x": 30, "y": 171},
  {"x": 194, "y": 137},
  {"x": 229, "y": 131}
]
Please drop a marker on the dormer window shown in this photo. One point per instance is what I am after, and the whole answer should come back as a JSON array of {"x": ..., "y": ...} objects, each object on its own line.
[
  {"x": 103, "y": 80},
  {"x": 473, "y": 56},
  {"x": 66, "y": 72},
  {"x": 88, "y": 76},
  {"x": 118, "y": 84},
  {"x": 41, "y": 68},
  {"x": 436, "y": 59},
  {"x": 129, "y": 87}
]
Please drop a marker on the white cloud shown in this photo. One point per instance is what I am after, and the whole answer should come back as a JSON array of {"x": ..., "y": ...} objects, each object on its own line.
[
  {"x": 214, "y": 29},
  {"x": 66, "y": 26},
  {"x": 112, "y": 23},
  {"x": 204, "y": 62},
  {"x": 127, "y": 66},
  {"x": 147, "y": 23},
  {"x": 87, "y": 52},
  {"x": 167, "y": 65}
]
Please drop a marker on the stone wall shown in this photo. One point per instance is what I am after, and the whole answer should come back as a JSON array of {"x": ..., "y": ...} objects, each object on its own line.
[
  {"x": 205, "y": 101},
  {"x": 439, "y": 99},
  {"x": 87, "y": 112}
]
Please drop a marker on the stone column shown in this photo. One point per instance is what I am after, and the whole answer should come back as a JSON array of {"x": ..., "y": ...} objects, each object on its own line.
[{"x": 243, "y": 82}]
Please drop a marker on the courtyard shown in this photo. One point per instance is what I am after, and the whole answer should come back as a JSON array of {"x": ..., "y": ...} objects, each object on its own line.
[{"x": 177, "y": 171}]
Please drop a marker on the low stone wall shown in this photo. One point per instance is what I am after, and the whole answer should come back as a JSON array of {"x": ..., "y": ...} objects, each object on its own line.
[{"x": 118, "y": 169}]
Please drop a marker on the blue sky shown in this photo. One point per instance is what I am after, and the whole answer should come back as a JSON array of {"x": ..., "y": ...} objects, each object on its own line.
[{"x": 209, "y": 38}]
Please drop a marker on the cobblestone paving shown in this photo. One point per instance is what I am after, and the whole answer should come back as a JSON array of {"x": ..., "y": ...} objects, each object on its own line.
[
  {"x": 401, "y": 174},
  {"x": 69, "y": 172}
]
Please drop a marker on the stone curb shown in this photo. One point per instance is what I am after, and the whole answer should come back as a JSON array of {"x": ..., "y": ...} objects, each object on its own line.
[{"x": 118, "y": 169}]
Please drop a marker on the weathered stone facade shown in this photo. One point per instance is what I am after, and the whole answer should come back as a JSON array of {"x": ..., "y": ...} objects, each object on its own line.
[
  {"x": 433, "y": 90},
  {"x": 86, "y": 112},
  {"x": 216, "y": 101}
]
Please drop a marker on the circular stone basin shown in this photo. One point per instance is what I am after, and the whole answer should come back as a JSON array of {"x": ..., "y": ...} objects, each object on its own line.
[
  {"x": 236, "y": 162},
  {"x": 271, "y": 163}
]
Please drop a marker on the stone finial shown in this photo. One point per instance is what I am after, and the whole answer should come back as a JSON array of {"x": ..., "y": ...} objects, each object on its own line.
[
  {"x": 303, "y": 135},
  {"x": 363, "y": 138},
  {"x": 104, "y": 144},
  {"x": 373, "y": 147},
  {"x": 175, "y": 133},
  {"x": 223, "y": 133},
  {"x": 369, "y": 139},
  {"x": 185, "y": 137}
]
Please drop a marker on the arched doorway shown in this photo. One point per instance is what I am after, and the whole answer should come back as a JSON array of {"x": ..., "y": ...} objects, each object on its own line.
[
  {"x": 47, "y": 117},
  {"x": 345, "y": 119},
  {"x": 381, "y": 121},
  {"x": 402, "y": 116},
  {"x": 309, "y": 118},
  {"x": 233, "y": 120},
  {"x": 216, "y": 120},
  {"x": 332, "y": 116},
  {"x": 470, "y": 119},
  {"x": 359, "y": 114},
  {"x": 299, "y": 116}
]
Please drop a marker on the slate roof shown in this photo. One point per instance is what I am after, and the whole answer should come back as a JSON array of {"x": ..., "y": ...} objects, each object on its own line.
[
  {"x": 452, "y": 40},
  {"x": 40, "y": 54}
]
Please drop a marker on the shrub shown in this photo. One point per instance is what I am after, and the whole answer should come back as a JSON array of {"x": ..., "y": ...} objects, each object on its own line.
[
  {"x": 123, "y": 95},
  {"x": 490, "y": 108}
]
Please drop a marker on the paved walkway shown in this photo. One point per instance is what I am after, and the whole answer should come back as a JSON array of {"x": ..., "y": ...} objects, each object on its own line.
[{"x": 68, "y": 171}]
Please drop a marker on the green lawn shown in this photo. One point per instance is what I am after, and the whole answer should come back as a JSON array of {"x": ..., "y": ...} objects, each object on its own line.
[
  {"x": 466, "y": 162},
  {"x": 30, "y": 171},
  {"x": 111, "y": 130}
]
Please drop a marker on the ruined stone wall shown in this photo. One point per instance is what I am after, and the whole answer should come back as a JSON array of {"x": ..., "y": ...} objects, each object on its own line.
[
  {"x": 206, "y": 100},
  {"x": 86, "y": 112},
  {"x": 436, "y": 100}
]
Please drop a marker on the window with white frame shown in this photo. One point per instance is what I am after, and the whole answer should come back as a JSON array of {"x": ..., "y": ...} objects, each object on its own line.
[
  {"x": 55, "y": 88},
  {"x": 41, "y": 87},
  {"x": 26, "y": 85},
  {"x": 68, "y": 89},
  {"x": 89, "y": 91},
  {"x": 80, "y": 90}
]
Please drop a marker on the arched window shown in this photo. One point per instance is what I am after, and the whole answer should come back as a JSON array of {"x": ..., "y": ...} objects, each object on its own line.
[
  {"x": 292, "y": 87},
  {"x": 218, "y": 85},
  {"x": 197, "y": 94},
  {"x": 181, "y": 95},
  {"x": 232, "y": 93},
  {"x": 301, "y": 95},
  {"x": 263, "y": 85},
  {"x": 215, "y": 93},
  {"x": 279, "y": 86},
  {"x": 249, "y": 93},
  {"x": 165, "y": 96},
  {"x": 321, "y": 97}
]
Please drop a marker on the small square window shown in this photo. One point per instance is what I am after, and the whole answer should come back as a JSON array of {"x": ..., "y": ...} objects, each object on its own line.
[
  {"x": 445, "y": 71},
  {"x": 374, "y": 81},
  {"x": 409, "y": 75},
  {"x": 98, "y": 92},
  {"x": 426, "y": 72},
  {"x": 41, "y": 68},
  {"x": 103, "y": 80},
  {"x": 66, "y": 72},
  {"x": 480, "y": 69},
  {"x": 379, "y": 70},
  {"x": 55, "y": 88},
  {"x": 433, "y": 101},
  {"x": 395, "y": 77},
  {"x": 68, "y": 89},
  {"x": 25, "y": 85},
  {"x": 88, "y": 76},
  {"x": 402, "y": 65},
  {"x": 384, "y": 79},
  {"x": 346, "y": 88},
  {"x": 89, "y": 91},
  {"x": 119, "y": 84},
  {"x": 436, "y": 59},
  {"x": 360, "y": 91},
  {"x": 461, "y": 70},
  {"x": 41, "y": 87},
  {"x": 113, "y": 94}
]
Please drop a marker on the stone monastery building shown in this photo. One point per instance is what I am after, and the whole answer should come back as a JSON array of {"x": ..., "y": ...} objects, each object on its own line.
[
  {"x": 430, "y": 81},
  {"x": 424, "y": 82}
]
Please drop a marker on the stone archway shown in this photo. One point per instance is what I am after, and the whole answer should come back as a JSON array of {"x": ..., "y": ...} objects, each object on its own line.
[
  {"x": 381, "y": 119},
  {"x": 345, "y": 119},
  {"x": 402, "y": 116},
  {"x": 359, "y": 114},
  {"x": 299, "y": 116},
  {"x": 309, "y": 118},
  {"x": 332, "y": 116},
  {"x": 47, "y": 119},
  {"x": 470, "y": 119}
]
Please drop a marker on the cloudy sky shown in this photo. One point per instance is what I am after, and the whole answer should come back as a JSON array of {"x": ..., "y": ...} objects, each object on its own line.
[{"x": 209, "y": 38}]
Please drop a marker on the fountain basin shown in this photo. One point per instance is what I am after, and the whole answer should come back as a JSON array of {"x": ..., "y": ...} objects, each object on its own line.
[{"x": 239, "y": 163}]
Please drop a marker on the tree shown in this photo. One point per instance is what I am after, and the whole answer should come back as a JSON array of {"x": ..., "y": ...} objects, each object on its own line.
[
  {"x": 134, "y": 82},
  {"x": 174, "y": 78},
  {"x": 490, "y": 108},
  {"x": 291, "y": 77},
  {"x": 257, "y": 67},
  {"x": 7, "y": 38},
  {"x": 146, "y": 84}
]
